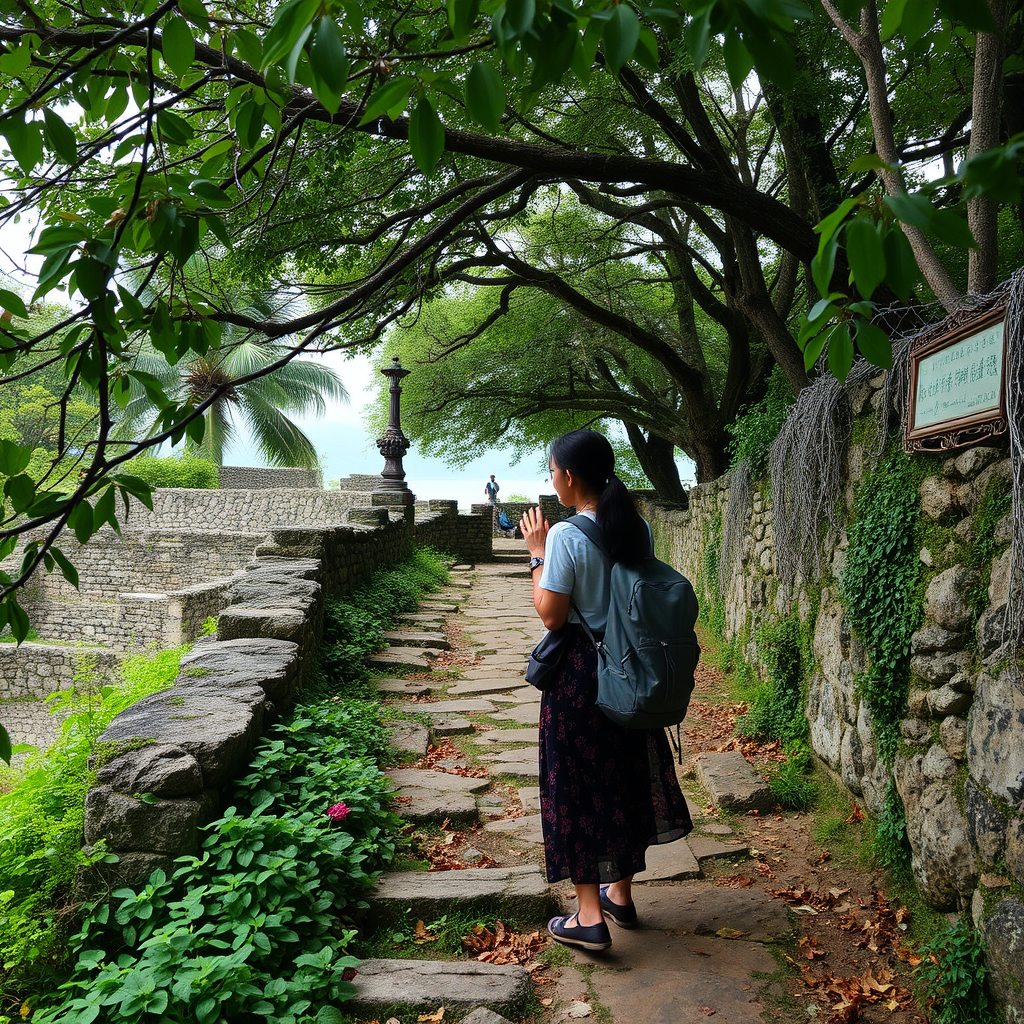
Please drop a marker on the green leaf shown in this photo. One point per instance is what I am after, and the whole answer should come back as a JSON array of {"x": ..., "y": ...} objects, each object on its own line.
[
  {"x": 5, "y": 746},
  {"x": 177, "y": 44},
  {"x": 972, "y": 14},
  {"x": 211, "y": 194},
  {"x": 13, "y": 458},
  {"x": 866, "y": 254},
  {"x": 290, "y": 21},
  {"x": 80, "y": 520},
  {"x": 248, "y": 47},
  {"x": 874, "y": 345},
  {"x": 104, "y": 510},
  {"x": 823, "y": 266},
  {"x": 18, "y": 620},
  {"x": 91, "y": 277},
  {"x": 387, "y": 97},
  {"x": 828, "y": 226},
  {"x": 11, "y": 302},
  {"x": 892, "y": 18},
  {"x": 918, "y": 18},
  {"x": 461, "y": 16},
  {"x": 426, "y": 136},
  {"x": 519, "y": 16},
  {"x": 738, "y": 60},
  {"x": 69, "y": 572},
  {"x": 485, "y": 96},
  {"x": 195, "y": 11},
  {"x": 21, "y": 489},
  {"x": 698, "y": 37},
  {"x": 219, "y": 228},
  {"x": 951, "y": 228},
  {"x": 136, "y": 487},
  {"x": 813, "y": 349},
  {"x": 25, "y": 139},
  {"x": 840, "y": 351},
  {"x": 620, "y": 36},
  {"x": 174, "y": 128},
  {"x": 901, "y": 270},
  {"x": 249, "y": 123},
  {"x": 329, "y": 63},
  {"x": 869, "y": 162},
  {"x": 60, "y": 138},
  {"x": 295, "y": 53}
]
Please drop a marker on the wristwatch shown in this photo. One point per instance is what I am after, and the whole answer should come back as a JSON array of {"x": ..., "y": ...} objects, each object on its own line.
[{"x": 534, "y": 562}]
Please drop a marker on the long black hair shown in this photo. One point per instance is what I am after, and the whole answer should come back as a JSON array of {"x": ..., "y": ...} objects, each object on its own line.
[{"x": 588, "y": 455}]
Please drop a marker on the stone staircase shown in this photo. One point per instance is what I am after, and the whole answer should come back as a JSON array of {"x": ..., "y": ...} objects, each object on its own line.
[{"x": 495, "y": 713}]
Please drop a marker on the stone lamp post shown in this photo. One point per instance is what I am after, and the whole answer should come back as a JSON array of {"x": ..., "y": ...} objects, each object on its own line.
[{"x": 393, "y": 489}]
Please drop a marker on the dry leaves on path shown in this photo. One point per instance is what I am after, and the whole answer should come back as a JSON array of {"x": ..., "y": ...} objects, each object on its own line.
[
  {"x": 443, "y": 752},
  {"x": 844, "y": 998},
  {"x": 503, "y": 945}
]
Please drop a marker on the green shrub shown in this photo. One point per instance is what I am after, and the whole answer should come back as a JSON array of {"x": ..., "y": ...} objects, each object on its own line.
[
  {"x": 755, "y": 429},
  {"x": 952, "y": 977},
  {"x": 790, "y": 784},
  {"x": 41, "y": 819},
  {"x": 184, "y": 470},
  {"x": 257, "y": 927},
  {"x": 776, "y": 706},
  {"x": 890, "y": 845}
]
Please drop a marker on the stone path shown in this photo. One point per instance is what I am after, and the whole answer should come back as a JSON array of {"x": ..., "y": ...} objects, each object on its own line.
[{"x": 680, "y": 966}]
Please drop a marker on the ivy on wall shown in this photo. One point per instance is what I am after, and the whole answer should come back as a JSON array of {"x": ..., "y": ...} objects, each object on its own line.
[
  {"x": 778, "y": 704},
  {"x": 880, "y": 590}
]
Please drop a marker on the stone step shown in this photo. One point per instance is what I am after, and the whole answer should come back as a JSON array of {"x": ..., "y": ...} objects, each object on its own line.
[
  {"x": 527, "y": 768},
  {"x": 452, "y": 727},
  {"x": 419, "y": 804},
  {"x": 731, "y": 783},
  {"x": 506, "y": 756},
  {"x": 421, "y": 617},
  {"x": 416, "y": 638},
  {"x": 495, "y": 736},
  {"x": 475, "y": 686},
  {"x": 441, "y": 708},
  {"x": 428, "y": 984},
  {"x": 443, "y": 781},
  {"x": 669, "y": 862},
  {"x": 410, "y": 738},
  {"x": 429, "y": 894},
  {"x": 392, "y": 658},
  {"x": 409, "y": 687},
  {"x": 525, "y": 714},
  {"x": 529, "y": 797},
  {"x": 527, "y": 828},
  {"x": 430, "y": 605},
  {"x": 710, "y": 849}
]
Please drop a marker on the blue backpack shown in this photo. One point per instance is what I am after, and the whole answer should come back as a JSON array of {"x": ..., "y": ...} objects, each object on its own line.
[{"x": 649, "y": 652}]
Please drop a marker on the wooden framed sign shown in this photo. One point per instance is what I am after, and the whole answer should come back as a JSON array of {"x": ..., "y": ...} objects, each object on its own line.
[{"x": 957, "y": 384}]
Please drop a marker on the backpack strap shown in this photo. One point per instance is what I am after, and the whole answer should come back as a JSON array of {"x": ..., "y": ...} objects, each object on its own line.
[{"x": 592, "y": 532}]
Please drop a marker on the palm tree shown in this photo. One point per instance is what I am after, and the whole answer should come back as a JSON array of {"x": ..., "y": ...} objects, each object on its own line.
[{"x": 300, "y": 386}]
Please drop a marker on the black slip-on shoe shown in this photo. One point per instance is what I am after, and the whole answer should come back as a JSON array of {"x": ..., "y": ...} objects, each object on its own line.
[
  {"x": 624, "y": 917},
  {"x": 594, "y": 936}
]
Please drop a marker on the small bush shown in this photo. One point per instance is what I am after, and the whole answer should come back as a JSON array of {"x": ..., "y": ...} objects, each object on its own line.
[
  {"x": 891, "y": 846},
  {"x": 790, "y": 783},
  {"x": 952, "y": 977},
  {"x": 185, "y": 470},
  {"x": 777, "y": 705},
  {"x": 41, "y": 819}
]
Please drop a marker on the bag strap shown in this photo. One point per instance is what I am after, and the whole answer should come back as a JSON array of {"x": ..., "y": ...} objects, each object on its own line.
[{"x": 592, "y": 532}]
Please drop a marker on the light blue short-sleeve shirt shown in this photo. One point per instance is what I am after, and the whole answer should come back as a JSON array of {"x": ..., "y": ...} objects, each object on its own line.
[{"x": 574, "y": 565}]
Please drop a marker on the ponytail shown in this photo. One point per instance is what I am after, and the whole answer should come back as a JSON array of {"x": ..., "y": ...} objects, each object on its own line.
[
  {"x": 588, "y": 455},
  {"x": 624, "y": 529}
]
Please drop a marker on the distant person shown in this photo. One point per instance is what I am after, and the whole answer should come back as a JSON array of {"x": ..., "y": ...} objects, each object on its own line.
[{"x": 491, "y": 489}]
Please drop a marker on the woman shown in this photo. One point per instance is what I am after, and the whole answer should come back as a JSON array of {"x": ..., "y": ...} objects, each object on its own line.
[{"x": 607, "y": 793}]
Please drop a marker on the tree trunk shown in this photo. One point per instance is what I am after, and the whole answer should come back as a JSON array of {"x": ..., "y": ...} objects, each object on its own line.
[
  {"x": 986, "y": 121},
  {"x": 657, "y": 459}
]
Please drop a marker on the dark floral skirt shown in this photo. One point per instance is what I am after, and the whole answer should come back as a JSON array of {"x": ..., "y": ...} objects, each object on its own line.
[{"x": 606, "y": 793}]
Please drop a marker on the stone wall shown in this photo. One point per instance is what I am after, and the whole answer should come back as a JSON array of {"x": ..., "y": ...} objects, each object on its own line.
[
  {"x": 960, "y": 769},
  {"x": 32, "y": 671},
  {"x": 258, "y": 478},
  {"x": 151, "y": 799},
  {"x": 181, "y": 508}
]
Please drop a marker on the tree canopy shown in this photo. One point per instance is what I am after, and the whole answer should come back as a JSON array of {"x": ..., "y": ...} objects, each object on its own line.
[{"x": 649, "y": 170}]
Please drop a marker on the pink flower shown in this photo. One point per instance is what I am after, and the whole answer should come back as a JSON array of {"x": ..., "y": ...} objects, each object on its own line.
[{"x": 338, "y": 812}]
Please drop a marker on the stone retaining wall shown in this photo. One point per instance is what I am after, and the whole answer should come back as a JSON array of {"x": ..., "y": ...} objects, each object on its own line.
[
  {"x": 32, "y": 671},
  {"x": 182, "y": 508},
  {"x": 257, "y": 478},
  {"x": 960, "y": 771},
  {"x": 198, "y": 736}
]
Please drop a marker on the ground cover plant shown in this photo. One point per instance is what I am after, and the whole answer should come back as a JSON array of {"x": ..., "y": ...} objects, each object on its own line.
[
  {"x": 41, "y": 820},
  {"x": 258, "y": 924}
]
